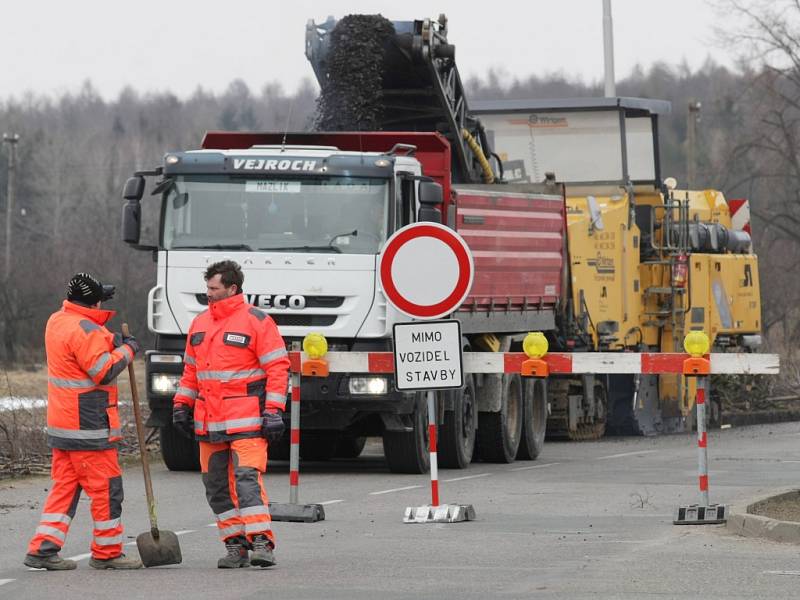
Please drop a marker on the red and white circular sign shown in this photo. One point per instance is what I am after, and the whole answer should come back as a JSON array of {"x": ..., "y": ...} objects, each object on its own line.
[{"x": 426, "y": 270}]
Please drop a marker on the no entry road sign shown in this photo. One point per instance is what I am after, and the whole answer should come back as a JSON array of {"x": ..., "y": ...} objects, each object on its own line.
[
  {"x": 427, "y": 355},
  {"x": 426, "y": 270}
]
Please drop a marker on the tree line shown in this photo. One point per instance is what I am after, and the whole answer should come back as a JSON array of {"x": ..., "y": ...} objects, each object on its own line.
[{"x": 76, "y": 150}]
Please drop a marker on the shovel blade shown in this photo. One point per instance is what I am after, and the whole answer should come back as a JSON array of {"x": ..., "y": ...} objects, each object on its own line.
[{"x": 156, "y": 552}]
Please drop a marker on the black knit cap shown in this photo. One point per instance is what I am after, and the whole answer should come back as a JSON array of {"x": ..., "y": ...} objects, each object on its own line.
[{"x": 84, "y": 289}]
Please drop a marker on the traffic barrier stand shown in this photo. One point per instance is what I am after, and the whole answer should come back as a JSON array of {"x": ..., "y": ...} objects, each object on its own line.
[
  {"x": 294, "y": 511},
  {"x": 435, "y": 512},
  {"x": 699, "y": 367}
]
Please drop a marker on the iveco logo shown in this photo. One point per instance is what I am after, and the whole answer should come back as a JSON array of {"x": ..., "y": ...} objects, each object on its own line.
[{"x": 277, "y": 301}]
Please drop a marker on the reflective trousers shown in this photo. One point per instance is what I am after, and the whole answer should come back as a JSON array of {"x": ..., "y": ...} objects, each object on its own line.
[
  {"x": 97, "y": 472},
  {"x": 232, "y": 475}
]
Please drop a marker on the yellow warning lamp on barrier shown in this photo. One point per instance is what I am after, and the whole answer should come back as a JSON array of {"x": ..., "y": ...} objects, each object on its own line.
[
  {"x": 315, "y": 346},
  {"x": 535, "y": 346},
  {"x": 697, "y": 345}
]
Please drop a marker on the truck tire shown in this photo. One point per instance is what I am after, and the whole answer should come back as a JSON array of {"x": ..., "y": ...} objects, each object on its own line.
[
  {"x": 318, "y": 445},
  {"x": 458, "y": 429},
  {"x": 407, "y": 451},
  {"x": 534, "y": 418},
  {"x": 499, "y": 433},
  {"x": 179, "y": 453},
  {"x": 350, "y": 446}
]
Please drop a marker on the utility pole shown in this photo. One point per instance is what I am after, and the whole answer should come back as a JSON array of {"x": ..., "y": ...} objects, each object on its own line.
[
  {"x": 11, "y": 139},
  {"x": 692, "y": 119},
  {"x": 608, "y": 50}
]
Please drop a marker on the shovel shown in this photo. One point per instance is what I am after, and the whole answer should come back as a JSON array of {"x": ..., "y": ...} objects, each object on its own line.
[{"x": 157, "y": 547}]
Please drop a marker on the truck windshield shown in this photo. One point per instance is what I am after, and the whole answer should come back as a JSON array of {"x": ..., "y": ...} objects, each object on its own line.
[{"x": 320, "y": 214}]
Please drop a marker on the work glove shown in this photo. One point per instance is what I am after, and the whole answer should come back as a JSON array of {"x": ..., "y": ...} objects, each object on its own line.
[
  {"x": 183, "y": 420},
  {"x": 272, "y": 426},
  {"x": 132, "y": 343}
]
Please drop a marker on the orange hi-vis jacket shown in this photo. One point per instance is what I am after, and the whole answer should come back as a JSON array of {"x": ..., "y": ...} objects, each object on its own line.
[
  {"x": 235, "y": 367},
  {"x": 83, "y": 361}
]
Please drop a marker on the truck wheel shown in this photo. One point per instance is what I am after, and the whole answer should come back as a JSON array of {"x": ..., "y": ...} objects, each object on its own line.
[
  {"x": 457, "y": 433},
  {"x": 318, "y": 445},
  {"x": 499, "y": 433},
  {"x": 179, "y": 453},
  {"x": 350, "y": 446},
  {"x": 534, "y": 418},
  {"x": 407, "y": 451}
]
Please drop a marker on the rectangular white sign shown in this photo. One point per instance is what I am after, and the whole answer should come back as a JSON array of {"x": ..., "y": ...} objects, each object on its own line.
[
  {"x": 427, "y": 355},
  {"x": 273, "y": 186}
]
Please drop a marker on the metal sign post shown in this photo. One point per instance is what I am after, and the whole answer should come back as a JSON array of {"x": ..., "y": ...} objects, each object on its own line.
[{"x": 426, "y": 272}]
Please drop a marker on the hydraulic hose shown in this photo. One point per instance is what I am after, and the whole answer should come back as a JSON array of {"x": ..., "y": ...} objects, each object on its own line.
[{"x": 488, "y": 175}]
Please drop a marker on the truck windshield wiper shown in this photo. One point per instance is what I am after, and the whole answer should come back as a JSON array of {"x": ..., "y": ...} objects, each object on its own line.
[
  {"x": 326, "y": 248},
  {"x": 214, "y": 247}
]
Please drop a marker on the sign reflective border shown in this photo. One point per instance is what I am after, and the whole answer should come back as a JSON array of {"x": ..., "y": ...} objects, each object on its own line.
[
  {"x": 426, "y": 270},
  {"x": 427, "y": 355}
]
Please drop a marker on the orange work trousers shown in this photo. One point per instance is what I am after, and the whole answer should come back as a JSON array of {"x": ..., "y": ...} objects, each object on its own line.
[
  {"x": 232, "y": 475},
  {"x": 97, "y": 472}
]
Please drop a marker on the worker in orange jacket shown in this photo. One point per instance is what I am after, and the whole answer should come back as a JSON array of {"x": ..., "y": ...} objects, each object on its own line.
[
  {"x": 231, "y": 398},
  {"x": 83, "y": 361}
]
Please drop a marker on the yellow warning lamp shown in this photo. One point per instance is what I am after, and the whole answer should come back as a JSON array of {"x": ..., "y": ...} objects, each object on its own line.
[
  {"x": 696, "y": 344},
  {"x": 315, "y": 346},
  {"x": 535, "y": 346}
]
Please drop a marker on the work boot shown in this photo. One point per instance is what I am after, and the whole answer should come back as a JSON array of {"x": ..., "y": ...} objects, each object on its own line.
[
  {"x": 52, "y": 563},
  {"x": 118, "y": 562},
  {"x": 237, "y": 554},
  {"x": 262, "y": 552}
]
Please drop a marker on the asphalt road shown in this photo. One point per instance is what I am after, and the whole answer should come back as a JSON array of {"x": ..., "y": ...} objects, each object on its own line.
[{"x": 586, "y": 520}]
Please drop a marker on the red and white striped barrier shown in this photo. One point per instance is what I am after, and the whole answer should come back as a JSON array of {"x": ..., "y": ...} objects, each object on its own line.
[{"x": 652, "y": 363}]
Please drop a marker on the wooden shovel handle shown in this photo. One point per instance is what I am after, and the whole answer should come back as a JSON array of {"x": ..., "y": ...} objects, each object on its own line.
[{"x": 137, "y": 415}]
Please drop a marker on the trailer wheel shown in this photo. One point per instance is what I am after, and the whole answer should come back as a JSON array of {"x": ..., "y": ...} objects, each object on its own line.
[
  {"x": 350, "y": 446},
  {"x": 179, "y": 453},
  {"x": 407, "y": 451},
  {"x": 499, "y": 433},
  {"x": 457, "y": 433},
  {"x": 318, "y": 445},
  {"x": 534, "y": 413}
]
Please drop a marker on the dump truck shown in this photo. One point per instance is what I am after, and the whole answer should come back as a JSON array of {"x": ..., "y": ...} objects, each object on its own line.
[{"x": 610, "y": 259}]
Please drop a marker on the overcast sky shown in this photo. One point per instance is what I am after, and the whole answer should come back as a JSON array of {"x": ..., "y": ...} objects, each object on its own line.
[{"x": 53, "y": 46}]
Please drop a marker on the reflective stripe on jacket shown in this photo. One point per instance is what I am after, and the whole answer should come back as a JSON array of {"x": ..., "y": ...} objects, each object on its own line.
[
  {"x": 82, "y": 365},
  {"x": 235, "y": 366}
]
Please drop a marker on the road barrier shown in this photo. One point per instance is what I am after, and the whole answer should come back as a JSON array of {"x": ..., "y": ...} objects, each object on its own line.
[{"x": 315, "y": 361}]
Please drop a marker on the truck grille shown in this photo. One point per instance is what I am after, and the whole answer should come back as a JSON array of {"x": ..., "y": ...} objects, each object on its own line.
[{"x": 303, "y": 320}]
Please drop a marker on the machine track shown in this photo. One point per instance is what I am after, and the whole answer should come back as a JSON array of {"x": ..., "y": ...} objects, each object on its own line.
[{"x": 558, "y": 392}]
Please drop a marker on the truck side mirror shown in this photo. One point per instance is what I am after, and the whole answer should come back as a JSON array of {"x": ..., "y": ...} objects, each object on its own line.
[
  {"x": 134, "y": 188},
  {"x": 131, "y": 221},
  {"x": 430, "y": 198}
]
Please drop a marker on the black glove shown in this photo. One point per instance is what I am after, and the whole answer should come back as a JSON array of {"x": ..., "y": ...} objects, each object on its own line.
[
  {"x": 134, "y": 345},
  {"x": 272, "y": 426},
  {"x": 182, "y": 419}
]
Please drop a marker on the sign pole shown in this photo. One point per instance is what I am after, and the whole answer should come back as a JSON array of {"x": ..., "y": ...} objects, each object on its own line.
[{"x": 432, "y": 445}]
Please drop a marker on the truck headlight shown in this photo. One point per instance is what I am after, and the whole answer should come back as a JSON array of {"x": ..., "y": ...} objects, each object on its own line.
[
  {"x": 165, "y": 384},
  {"x": 368, "y": 385}
]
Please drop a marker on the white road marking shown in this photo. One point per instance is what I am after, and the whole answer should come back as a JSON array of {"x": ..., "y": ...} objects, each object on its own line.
[
  {"x": 185, "y": 531},
  {"x": 625, "y": 454},
  {"x": 330, "y": 502},
  {"x": 534, "y": 467},
  {"x": 78, "y": 557},
  {"x": 725, "y": 426},
  {"x": 211, "y": 525},
  {"x": 5, "y": 581},
  {"x": 466, "y": 477},
  {"x": 789, "y": 461},
  {"x": 795, "y": 573},
  {"x": 400, "y": 489}
]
